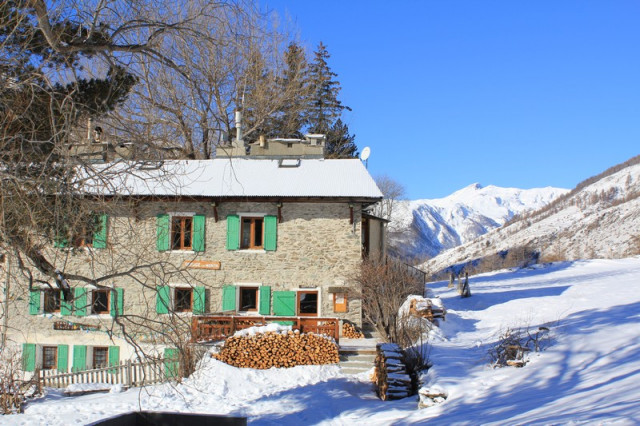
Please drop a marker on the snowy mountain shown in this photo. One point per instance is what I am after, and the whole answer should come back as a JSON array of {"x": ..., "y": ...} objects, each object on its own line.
[
  {"x": 424, "y": 228},
  {"x": 600, "y": 218}
]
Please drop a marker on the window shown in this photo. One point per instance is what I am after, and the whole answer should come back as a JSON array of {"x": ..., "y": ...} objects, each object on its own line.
[
  {"x": 248, "y": 298},
  {"x": 100, "y": 357},
  {"x": 51, "y": 301},
  {"x": 100, "y": 301},
  {"x": 182, "y": 298},
  {"x": 308, "y": 303},
  {"x": 91, "y": 234},
  {"x": 181, "y": 232},
  {"x": 251, "y": 233},
  {"x": 49, "y": 357}
]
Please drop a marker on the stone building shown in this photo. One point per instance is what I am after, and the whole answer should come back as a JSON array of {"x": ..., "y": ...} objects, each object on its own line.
[{"x": 249, "y": 236}]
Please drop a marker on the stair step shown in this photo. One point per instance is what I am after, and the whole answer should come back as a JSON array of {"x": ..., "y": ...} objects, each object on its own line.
[
  {"x": 350, "y": 370},
  {"x": 361, "y": 358}
]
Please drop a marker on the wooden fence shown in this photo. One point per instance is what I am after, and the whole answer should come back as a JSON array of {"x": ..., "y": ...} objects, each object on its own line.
[
  {"x": 126, "y": 373},
  {"x": 217, "y": 327}
]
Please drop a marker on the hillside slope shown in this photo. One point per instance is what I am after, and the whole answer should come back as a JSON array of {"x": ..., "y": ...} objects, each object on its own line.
[
  {"x": 424, "y": 228},
  {"x": 600, "y": 218}
]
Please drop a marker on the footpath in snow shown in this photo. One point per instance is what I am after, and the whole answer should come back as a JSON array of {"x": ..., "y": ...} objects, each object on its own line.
[{"x": 589, "y": 374}]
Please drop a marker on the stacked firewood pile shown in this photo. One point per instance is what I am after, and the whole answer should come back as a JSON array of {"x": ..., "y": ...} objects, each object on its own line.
[
  {"x": 390, "y": 375},
  {"x": 350, "y": 331},
  {"x": 430, "y": 309},
  {"x": 266, "y": 350}
]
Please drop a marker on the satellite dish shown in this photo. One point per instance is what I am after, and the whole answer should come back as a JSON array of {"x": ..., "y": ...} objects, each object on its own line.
[{"x": 366, "y": 152}]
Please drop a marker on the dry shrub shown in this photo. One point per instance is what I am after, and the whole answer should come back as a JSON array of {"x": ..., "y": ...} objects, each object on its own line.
[
  {"x": 14, "y": 391},
  {"x": 514, "y": 343}
]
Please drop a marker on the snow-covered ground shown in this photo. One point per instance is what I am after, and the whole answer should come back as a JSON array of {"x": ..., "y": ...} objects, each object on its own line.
[{"x": 590, "y": 373}]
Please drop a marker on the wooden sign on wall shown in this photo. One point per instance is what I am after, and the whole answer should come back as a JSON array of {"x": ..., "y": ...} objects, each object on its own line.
[{"x": 214, "y": 265}]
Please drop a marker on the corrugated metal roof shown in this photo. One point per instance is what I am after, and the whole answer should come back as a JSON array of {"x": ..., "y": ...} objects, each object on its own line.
[{"x": 240, "y": 177}]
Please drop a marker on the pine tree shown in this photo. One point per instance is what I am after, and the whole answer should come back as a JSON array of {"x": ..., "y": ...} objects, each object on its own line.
[
  {"x": 325, "y": 109},
  {"x": 340, "y": 144}
]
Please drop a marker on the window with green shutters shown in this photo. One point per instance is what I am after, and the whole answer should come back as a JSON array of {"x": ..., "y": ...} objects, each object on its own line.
[
  {"x": 284, "y": 303},
  {"x": 28, "y": 356},
  {"x": 180, "y": 232},
  {"x": 252, "y": 232},
  {"x": 79, "y": 362},
  {"x": 63, "y": 358},
  {"x": 117, "y": 300},
  {"x": 171, "y": 362}
]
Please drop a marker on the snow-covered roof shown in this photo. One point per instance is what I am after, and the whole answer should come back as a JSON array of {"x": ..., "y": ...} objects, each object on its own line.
[{"x": 239, "y": 177}]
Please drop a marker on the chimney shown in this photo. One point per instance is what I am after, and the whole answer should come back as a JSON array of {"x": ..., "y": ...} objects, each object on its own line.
[
  {"x": 89, "y": 125},
  {"x": 262, "y": 141},
  {"x": 239, "y": 141}
]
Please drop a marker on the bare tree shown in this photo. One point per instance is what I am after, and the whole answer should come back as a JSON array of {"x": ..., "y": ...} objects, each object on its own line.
[
  {"x": 393, "y": 191},
  {"x": 385, "y": 286}
]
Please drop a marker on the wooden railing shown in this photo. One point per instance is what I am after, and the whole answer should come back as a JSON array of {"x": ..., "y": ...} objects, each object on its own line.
[
  {"x": 127, "y": 373},
  {"x": 205, "y": 328}
]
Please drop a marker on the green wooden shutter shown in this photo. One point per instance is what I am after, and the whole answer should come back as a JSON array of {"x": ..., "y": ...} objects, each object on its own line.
[
  {"x": 60, "y": 241},
  {"x": 114, "y": 358},
  {"x": 80, "y": 301},
  {"x": 28, "y": 356},
  {"x": 163, "y": 299},
  {"x": 162, "y": 229},
  {"x": 79, "y": 362},
  {"x": 233, "y": 232},
  {"x": 270, "y": 233},
  {"x": 171, "y": 362},
  {"x": 34, "y": 302},
  {"x": 284, "y": 303},
  {"x": 199, "y": 295},
  {"x": 197, "y": 242},
  {"x": 63, "y": 358},
  {"x": 100, "y": 236},
  {"x": 229, "y": 298},
  {"x": 265, "y": 300},
  {"x": 65, "y": 307},
  {"x": 117, "y": 299}
]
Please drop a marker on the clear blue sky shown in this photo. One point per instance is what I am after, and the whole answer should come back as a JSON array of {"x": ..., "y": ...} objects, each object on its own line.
[{"x": 508, "y": 93}]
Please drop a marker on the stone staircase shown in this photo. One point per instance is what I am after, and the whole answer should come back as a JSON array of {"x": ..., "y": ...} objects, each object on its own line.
[{"x": 358, "y": 355}]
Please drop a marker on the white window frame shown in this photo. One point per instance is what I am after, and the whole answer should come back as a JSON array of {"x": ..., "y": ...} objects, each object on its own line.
[{"x": 240, "y": 285}]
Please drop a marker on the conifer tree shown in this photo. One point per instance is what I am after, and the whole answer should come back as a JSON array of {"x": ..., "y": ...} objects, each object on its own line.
[
  {"x": 324, "y": 107},
  {"x": 340, "y": 144},
  {"x": 295, "y": 84}
]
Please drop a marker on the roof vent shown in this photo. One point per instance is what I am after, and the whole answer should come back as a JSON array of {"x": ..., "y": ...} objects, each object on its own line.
[{"x": 289, "y": 162}]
